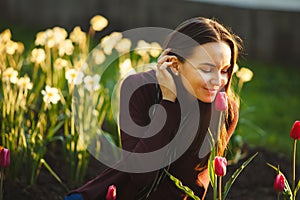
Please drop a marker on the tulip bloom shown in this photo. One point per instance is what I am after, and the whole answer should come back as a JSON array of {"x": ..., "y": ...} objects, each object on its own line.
[
  {"x": 111, "y": 193},
  {"x": 220, "y": 164},
  {"x": 295, "y": 132},
  {"x": 4, "y": 157},
  {"x": 279, "y": 183},
  {"x": 221, "y": 101}
]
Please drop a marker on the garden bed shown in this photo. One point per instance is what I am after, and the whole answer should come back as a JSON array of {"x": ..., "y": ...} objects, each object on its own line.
[{"x": 255, "y": 182}]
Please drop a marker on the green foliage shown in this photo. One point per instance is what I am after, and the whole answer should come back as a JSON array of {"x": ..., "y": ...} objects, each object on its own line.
[
  {"x": 53, "y": 92},
  {"x": 274, "y": 93}
]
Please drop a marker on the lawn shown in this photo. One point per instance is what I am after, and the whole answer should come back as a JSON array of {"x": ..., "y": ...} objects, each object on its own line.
[{"x": 273, "y": 98}]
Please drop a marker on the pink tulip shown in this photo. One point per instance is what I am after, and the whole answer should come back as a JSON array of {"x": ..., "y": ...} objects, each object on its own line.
[
  {"x": 221, "y": 101},
  {"x": 279, "y": 183},
  {"x": 220, "y": 164},
  {"x": 4, "y": 157},
  {"x": 111, "y": 193},
  {"x": 295, "y": 132}
]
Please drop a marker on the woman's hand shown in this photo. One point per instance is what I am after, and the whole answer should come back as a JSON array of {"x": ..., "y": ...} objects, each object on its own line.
[{"x": 164, "y": 78}]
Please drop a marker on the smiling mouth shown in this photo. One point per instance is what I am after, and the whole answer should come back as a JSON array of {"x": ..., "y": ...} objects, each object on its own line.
[{"x": 212, "y": 90}]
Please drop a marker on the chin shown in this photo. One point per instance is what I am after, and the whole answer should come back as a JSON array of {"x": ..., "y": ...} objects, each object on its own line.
[{"x": 206, "y": 100}]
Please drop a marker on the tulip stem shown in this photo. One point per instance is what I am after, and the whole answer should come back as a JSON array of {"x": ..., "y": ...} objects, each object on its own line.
[
  {"x": 215, "y": 187},
  {"x": 220, "y": 187},
  {"x": 294, "y": 167}
]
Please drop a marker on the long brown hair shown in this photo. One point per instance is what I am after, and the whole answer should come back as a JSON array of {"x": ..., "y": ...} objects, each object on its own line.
[{"x": 203, "y": 30}]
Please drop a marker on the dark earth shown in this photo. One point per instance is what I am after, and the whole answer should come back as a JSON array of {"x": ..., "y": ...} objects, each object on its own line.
[{"x": 254, "y": 183}]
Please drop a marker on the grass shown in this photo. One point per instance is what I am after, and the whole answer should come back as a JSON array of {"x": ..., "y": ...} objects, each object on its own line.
[{"x": 273, "y": 95}]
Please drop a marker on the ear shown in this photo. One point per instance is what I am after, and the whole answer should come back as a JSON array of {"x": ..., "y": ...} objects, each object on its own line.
[{"x": 175, "y": 65}]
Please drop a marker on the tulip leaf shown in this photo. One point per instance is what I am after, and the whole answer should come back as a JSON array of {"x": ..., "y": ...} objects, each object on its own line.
[
  {"x": 235, "y": 175},
  {"x": 287, "y": 190},
  {"x": 185, "y": 189},
  {"x": 53, "y": 174},
  {"x": 211, "y": 170},
  {"x": 297, "y": 188}
]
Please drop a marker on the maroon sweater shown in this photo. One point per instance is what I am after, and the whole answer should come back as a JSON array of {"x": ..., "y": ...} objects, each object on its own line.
[{"x": 138, "y": 115}]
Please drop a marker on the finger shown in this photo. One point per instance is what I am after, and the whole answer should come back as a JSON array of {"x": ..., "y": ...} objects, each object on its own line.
[
  {"x": 165, "y": 65},
  {"x": 166, "y": 58},
  {"x": 165, "y": 52}
]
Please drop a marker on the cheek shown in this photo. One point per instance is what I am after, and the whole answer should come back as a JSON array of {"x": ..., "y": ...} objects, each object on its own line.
[{"x": 224, "y": 80}]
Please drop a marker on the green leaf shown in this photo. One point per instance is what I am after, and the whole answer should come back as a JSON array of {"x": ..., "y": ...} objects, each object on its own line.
[
  {"x": 297, "y": 188},
  {"x": 212, "y": 156},
  {"x": 235, "y": 175},
  {"x": 53, "y": 130},
  {"x": 53, "y": 174},
  {"x": 185, "y": 189},
  {"x": 287, "y": 190}
]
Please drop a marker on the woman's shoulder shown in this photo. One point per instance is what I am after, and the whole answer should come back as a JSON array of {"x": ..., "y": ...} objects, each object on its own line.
[
  {"x": 141, "y": 77},
  {"x": 141, "y": 86}
]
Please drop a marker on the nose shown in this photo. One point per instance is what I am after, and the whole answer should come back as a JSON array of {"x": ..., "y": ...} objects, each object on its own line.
[{"x": 216, "y": 79}]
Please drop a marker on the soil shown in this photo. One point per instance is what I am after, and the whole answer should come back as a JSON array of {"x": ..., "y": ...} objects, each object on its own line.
[{"x": 254, "y": 183}]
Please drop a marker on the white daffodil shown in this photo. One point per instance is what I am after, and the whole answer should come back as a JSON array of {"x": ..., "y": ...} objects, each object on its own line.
[
  {"x": 65, "y": 47},
  {"x": 155, "y": 49},
  {"x": 98, "y": 22},
  {"x": 24, "y": 83},
  {"x": 235, "y": 68},
  {"x": 99, "y": 56},
  {"x": 5, "y": 36},
  {"x": 40, "y": 38},
  {"x": 244, "y": 74},
  {"x": 91, "y": 83},
  {"x": 38, "y": 55},
  {"x": 110, "y": 41},
  {"x": 142, "y": 47},
  {"x": 50, "y": 94},
  {"x": 11, "y": 47},
  {"x": 74, "y": 77},
  {"x": 126, "y": 68},
  {"x": 59, "y": 35},
  {"x": 60, "y": 63},
  {"x": 78, "y": 36},
  {"x": 10, "y": 75},
  {"x": 21, "y": 47},
  {"x": 123, "y": 46}
]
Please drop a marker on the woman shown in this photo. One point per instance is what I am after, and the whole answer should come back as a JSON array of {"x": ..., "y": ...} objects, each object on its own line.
[{"x": 173, "y": 107}]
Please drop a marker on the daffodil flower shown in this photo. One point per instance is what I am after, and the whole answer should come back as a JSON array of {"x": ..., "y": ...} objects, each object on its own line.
[
  {"x": 51, "y": 95},
  {"x": 91, "y": 83},
  {"x": 10, "y": 75},
  {"x": 74, "y": 76},
  {"x": 38, "y": 55}
]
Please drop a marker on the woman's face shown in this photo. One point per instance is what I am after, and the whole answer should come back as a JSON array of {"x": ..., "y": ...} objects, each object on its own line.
[{"x": 205, "y": 72}]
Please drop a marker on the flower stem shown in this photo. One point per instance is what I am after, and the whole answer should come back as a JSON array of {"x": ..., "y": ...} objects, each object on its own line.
[
  {"x": 215, "y": 187},
  {"x": 294, "y": 168},
  {"x": 220, "y": 187}
]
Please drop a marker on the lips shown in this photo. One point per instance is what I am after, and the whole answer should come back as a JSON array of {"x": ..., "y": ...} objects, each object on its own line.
[{"x": 212, "y": 90}]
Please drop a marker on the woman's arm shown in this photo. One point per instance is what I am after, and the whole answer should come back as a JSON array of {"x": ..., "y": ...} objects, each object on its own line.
[{"x": 145, "y": 129}]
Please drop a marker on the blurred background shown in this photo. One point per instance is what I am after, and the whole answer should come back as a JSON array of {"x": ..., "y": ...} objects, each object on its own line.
[{"x": 269, "y": 29}]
